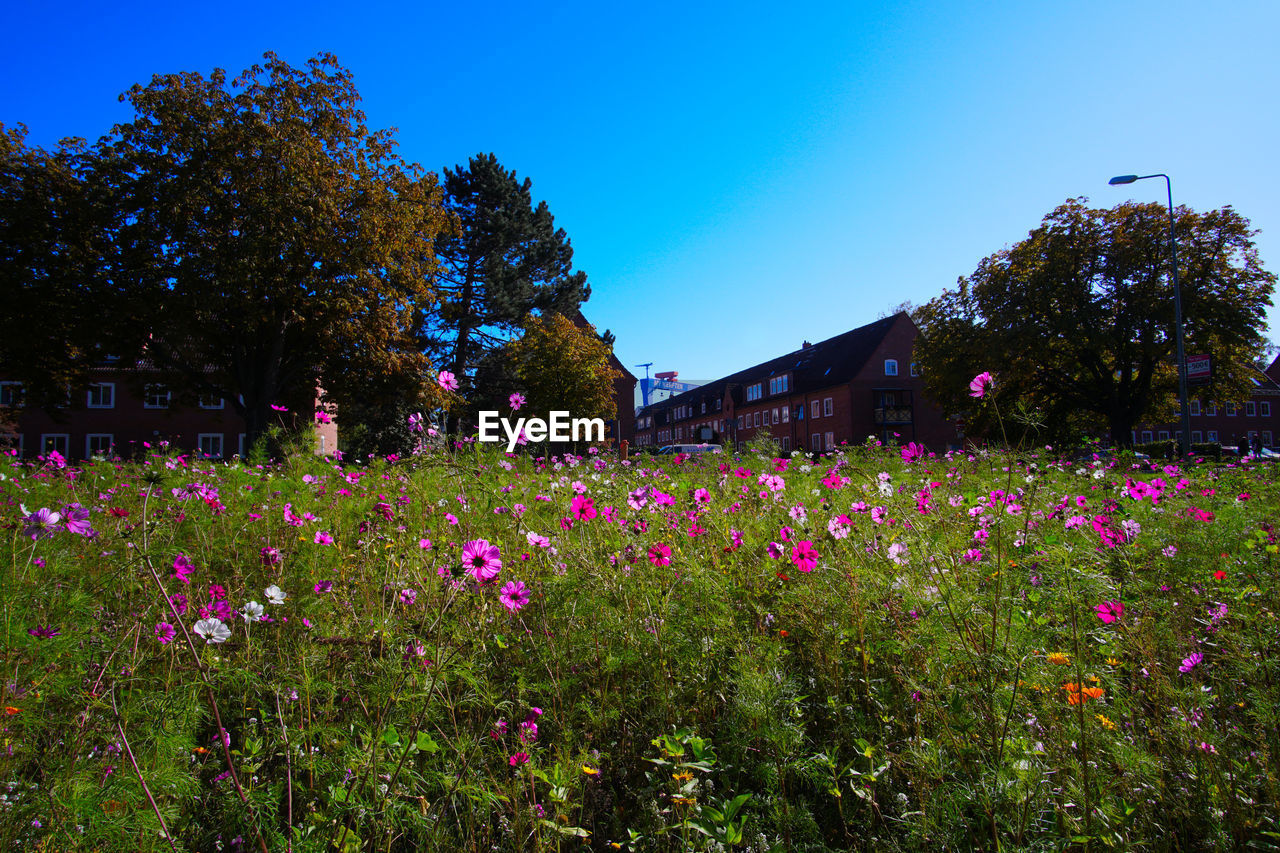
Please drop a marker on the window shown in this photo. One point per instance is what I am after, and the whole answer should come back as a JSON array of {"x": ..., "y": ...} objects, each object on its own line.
[
  {"x": 1250, "y": 409},
  {"x": 1163, "y": 435},
  {"x": 786, "y": 414},
  {"x": 786, "y": 442},
  {"x": 1212, "y": 436},
  {"x": 240, "y": 445},
  {"x": 704, "y": 407},
  {"x": 102, "y": 395},
  {"x": 1264, "y": 409},
  {"x": 815, "y": 441},
  {"x": 831, "y": 440},
  {"x": 1197, "y": 437},
  {"x": 815, "y": 408},
  {"x": 156, "y": 397},
  {"x": 826, "y": 407},
  {"x": 915, "y": 368},
  {"x": 1211, "y": 409},
  {"x": 1229, "y": 409},
  {"x": 51, "y": 442},
  {"x": 10, "y": 394},
  {"x": 890, "y": 367},
  {"x": 97, "y": 444},
  {"x": 1266, "y": 438},
  {"x": 755, "y": 420},
  {"x": 775, "y": 416},
  {"x": 210, "y": 444},
  {"x": 1194, "y": 408},
  {"x": 755, "y": 392},
  {"x": 765, "y": 419},
  {"x": 778, "y": 385},
  {"x": 211, "y": 401},
  {"x": 1146, "y": 436}
]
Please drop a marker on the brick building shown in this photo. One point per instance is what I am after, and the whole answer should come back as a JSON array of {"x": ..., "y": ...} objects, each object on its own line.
[
  {"x": 624, "y": 391},
  {"x": 841, "y": 390},
  {"x": 1254, "y": 422},
  {"x": 119, "y": 412}
]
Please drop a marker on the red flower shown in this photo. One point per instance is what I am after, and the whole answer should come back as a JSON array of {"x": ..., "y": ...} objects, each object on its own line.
[{"x": 1219, "y": 575}]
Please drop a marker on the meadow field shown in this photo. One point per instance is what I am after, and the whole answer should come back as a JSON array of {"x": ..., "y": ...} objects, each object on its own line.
[{"x": 880, "y": 648}]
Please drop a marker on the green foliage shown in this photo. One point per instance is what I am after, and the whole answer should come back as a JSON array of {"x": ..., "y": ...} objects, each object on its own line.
[
  {"x": 914, "y": 691},
  {"x": 562, "y": 367},
  {"x": 1077, "y": 319}
]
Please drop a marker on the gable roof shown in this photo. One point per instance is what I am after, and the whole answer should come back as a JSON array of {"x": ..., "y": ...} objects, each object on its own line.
[{"x": 831, "y": 362}]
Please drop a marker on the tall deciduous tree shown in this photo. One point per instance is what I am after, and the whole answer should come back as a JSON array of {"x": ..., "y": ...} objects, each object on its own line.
[
  {"x": 1078, "y": 318},
  {"x": 559, "y": 366},
  {"x": 505, "y": 260},
  {"x": 269, "y": 240}
]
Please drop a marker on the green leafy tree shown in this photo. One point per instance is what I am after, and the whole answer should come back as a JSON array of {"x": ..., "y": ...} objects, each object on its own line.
[
  {"x": 55, "y": 277},
  {"x": 505, "y": 260},
  {"x": 1077, "y": 320},
  {"x": 268, "y": 240},
  {"x": 558, "y": 365}
]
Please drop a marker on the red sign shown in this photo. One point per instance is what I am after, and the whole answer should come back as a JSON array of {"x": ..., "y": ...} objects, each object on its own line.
[{"x": 1199, "y": 368}]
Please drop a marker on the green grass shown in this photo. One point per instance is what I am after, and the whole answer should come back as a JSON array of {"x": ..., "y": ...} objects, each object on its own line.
[{"x": 902, "y": 695}]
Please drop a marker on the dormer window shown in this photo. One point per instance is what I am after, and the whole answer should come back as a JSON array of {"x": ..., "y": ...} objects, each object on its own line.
[{"x": 890, "y": 367}]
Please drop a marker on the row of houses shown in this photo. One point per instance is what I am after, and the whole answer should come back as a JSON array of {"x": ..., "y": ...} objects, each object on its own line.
[{"x": 859, "y": 384}]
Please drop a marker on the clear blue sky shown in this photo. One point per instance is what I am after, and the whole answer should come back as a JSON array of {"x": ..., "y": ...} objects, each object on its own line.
[{"x": 736, "y": 178}]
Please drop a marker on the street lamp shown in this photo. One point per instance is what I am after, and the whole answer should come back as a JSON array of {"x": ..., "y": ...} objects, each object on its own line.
[{"x": 1177, "y": 308}]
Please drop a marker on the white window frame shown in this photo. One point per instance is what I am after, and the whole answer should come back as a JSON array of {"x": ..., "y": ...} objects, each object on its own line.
[
  {"x": 1194, "y": 408},
  {"x": 1211, "y": 409},
  {"x": 155, "y": 391},
  {"x": 1229, "y": 409},
  {"x": 11, "y": 394},
  {"x": 204, "y": 404},
  {"x": 786, "y": 443},
  {"x": 1264, "y": 408},
  {"x": 915, "y": 368},
  {"x": 110, "y": 388},
  {"x": 786, "y": 414},
  {"x": 890, "y": 367},
  {"x": 66, "y": 443},
  {"x": 830, "y": 438},
  {"x": 1146, "y": 436},
  {"x": 828, "y": 407},
  {"x": 1250, "y": 409},
  {"x": 1197, "y": 437},
  {"x": 200, "y": 439},
  {"x": 1212, "y": 436},
  {"x": 1266, "y": 438},
  {"x": 764, "y": 418},
  {"x": 815, "y": 442},
  {"x": 755, "y": 420},
  {"x": 816, "y": 410},
  {"x": 89, "y": 452},
  {"x": 1162, "y": 435}
]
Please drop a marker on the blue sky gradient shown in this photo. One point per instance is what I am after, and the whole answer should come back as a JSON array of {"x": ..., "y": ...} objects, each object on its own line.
[{"x": 736, "y": 178}]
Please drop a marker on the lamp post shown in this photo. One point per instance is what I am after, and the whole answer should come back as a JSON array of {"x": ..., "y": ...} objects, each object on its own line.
[{"x": 1185, "y": 443}]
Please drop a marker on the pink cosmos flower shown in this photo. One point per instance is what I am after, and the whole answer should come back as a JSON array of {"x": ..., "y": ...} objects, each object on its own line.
[
  {"x": 516, "y": 400},
  {"x": 408, "y": 596},
  {"x": 804, "y": 556},
  {"x": 912, "y": 452},
  {"x": 584, "y": 508},
  {"x": 1189, "y": 663},
  {"x": 518, "y": 758},
  {"x": 323, "y": 538},
  {"x": 77, "y": 521},
  {"x": 41, "y": 523},
  {"x": 165, "y": 632},
  {"x": 514, "y": 595},
  {"x": 182, "y": 568},
  {"x": 1110, "y": 611},
  {"x": 447, "y": 381},
  {"x": 415, "y": 422},
  {"x": 979, "y": 384},
  {"x": 483, "y": 560},
  {"x": 322, "y": 587},
  {"x": 276, "y": 408},
  {"x": 775, "y": 550},
  {"x": 660, "y": 555}
]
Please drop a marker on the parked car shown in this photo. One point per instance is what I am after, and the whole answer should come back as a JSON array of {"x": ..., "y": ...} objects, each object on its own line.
[{"x": 691, "y": 448}]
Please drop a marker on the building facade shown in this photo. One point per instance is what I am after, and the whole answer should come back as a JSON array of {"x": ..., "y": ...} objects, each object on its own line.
[
  {"x": 838, "y": 391},
  {"x": 1252, "y": 423}
]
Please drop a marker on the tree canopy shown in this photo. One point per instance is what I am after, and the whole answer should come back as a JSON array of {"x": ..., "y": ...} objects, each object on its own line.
[
  {"x": 1077, "y": 320},
  {"x": 505, "y": 260},
  {"x": 560, "y": 366}
]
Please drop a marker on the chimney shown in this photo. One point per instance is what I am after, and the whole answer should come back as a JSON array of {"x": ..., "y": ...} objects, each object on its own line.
[{"x": 805, "y": 345}]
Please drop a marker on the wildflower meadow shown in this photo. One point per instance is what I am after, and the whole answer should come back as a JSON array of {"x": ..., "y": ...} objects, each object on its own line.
[{"x": 879, "y": 648}]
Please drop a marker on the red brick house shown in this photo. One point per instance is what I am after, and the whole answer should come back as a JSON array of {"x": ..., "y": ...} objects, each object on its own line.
[
  {"x": 838, "y": 391},
  {"x": 1254, "y": 422},
  {"x": 119, "y": 413}
]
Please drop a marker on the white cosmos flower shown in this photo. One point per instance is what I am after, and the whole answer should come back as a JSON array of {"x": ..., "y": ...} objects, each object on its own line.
[
  {"x": 276, "y": 595},
  {"x": 252, "y": 611},
  {"x": 213, "y": 629}
]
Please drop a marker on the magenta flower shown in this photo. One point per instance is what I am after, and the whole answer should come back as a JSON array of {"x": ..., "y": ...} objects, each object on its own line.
[
  {"x": 447, "y": 381},
  {"x": 518, "y": 758},
  {"x": 182, "y": 568},
  {"x": 41, "y": 523},
  {"x": 660, "y": 555},
  {"x": 324, "y": 418},
  {"x": 979, "y": 384},
  {"x": 269, "y": 556},
  {"x": 415, "y": 422},
  {"x": 43, "y": 632},
  {"x": 584, "y": 508},
  {"x": 804, "y": 556},
  {"x": 77, "y": 521},
  {"x": 483, "y": 560},
  {"x": 322, "y": 587},
  {"x": 516, "y": 400},
  {"x": 912, "y": 452},
  {"x": 276, "y": 408},
  {"x": 514, "y": 595},
  {"x": 323, "y": 538},
  {"x": 165, "y": 632},
  {"x": 775, "y": 550},
  {"x": 1110, "y": 611},
  {"x": 1189, "y": 663}
]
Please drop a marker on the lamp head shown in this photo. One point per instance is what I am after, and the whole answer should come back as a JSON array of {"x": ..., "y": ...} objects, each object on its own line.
[{"x": 1122, "y": 179}]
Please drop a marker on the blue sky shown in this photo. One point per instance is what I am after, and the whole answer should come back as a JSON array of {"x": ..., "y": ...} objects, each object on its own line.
[{"x": 736, "y": 178}]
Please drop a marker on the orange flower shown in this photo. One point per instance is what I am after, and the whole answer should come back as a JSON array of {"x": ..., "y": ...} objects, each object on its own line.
[
  {"x": 10, "y": 710},
  {"x": 1059, "y": 658},
  {"x": 1093, "y": 692}
]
